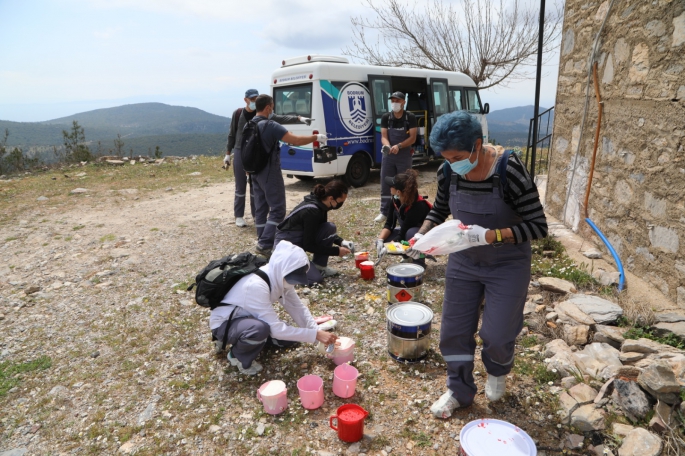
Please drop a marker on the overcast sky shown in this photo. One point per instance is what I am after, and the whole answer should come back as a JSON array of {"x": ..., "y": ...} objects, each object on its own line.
[{"x": 61, "y": 57}]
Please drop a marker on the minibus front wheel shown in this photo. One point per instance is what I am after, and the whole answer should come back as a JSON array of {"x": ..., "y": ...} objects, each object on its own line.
[{"x": 358, "y": 170}]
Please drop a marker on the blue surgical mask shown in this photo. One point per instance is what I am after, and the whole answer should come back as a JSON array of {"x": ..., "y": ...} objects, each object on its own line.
[
  {"x": 270, "y": 115},
  {"x": 463, "y": 167},
  {"x": 253, "y": 106}
]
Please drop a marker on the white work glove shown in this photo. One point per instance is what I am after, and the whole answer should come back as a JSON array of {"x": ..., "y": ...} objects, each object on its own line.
[
  {"x": 321, "y": 138},
  {"x": 380, "y": 245},
  {"x": 416, "y": 237},
  {"x": 348, "y": 245},
  {"x": 306, "y": 120},
  {"x": 385, "y": 150},
  {"x": 227, "y": 161},
  {"x": 475, "y": 235},
  {"x": 411, "y": 253}
]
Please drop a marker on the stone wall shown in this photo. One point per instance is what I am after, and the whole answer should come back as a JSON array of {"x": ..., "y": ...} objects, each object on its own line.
[{"x": 638, "y": 190}]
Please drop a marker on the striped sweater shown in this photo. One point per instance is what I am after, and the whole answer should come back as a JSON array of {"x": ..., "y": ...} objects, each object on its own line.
[{"x": 521, "y": 194}]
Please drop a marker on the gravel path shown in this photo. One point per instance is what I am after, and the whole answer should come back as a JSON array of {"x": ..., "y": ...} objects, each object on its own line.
[{"x": 117, "y": 356}]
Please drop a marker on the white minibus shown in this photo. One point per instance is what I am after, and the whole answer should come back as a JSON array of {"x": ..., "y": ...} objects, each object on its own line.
[{"x": 346, "y": 102}]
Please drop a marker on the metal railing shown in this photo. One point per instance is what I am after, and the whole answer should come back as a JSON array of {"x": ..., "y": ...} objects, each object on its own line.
[{"x": 537, "y": 159}]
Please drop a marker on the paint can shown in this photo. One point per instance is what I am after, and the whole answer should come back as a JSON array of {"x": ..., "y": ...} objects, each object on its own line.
[
  {"x": 405, "y": 282},
  {"x": 487, "y": 436},
  {"x": 408, "y": 326}
]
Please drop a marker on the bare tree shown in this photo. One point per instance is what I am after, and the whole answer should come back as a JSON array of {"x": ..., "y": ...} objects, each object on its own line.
[{"x": 489, "y": 41}]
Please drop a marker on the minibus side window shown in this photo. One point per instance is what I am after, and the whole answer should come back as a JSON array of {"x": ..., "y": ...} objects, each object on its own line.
[
  {"x": 294, "y": 100},
  {"x": 456, "y": 95},
  {"x": 474, "y": 101}
]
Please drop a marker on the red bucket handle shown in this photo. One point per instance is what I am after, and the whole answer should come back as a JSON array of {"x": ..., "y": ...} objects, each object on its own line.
[{"x": 330, "y": 422}]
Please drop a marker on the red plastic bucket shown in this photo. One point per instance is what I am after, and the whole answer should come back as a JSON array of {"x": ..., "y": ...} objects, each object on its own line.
[
  {"x": 350, "y": 422},
  {"x": 367, "y": 270}
]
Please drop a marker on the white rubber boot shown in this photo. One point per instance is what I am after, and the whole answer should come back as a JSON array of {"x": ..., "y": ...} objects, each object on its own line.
[
  {"x": 443, "y": 407},
  {"x": 495, "y": 387}
]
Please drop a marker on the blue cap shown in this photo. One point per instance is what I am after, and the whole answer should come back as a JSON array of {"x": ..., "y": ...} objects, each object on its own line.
[{"x": 251, "y": 93}]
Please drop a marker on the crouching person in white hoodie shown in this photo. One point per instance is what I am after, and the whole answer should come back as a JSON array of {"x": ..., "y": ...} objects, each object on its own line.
[{"x": 249, "y": 316}]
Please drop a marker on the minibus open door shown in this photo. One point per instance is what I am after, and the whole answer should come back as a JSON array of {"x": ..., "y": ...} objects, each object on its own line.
[
  {"x": 380, "y": 88},
  {"x": 441, "y": 101}
]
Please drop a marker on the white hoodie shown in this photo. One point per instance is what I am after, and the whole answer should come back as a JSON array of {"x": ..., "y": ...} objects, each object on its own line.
[{"x": 251, "y": 295}]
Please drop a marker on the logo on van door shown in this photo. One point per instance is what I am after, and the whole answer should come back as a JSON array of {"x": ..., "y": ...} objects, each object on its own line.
[{"x": 354, "y": 103}]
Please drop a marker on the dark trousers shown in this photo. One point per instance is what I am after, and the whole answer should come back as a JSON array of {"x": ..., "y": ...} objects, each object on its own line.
[
  {"x": 324, "y": 237},
  {"x": 241, "y": 181}
]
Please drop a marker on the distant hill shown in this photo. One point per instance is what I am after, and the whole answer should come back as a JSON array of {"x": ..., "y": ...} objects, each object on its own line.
[
  {"x": 176, "y": 129},
  {"x": 509, "y": 127}
]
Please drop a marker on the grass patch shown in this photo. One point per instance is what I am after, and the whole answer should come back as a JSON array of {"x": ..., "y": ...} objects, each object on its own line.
[
  {"x": 642, "y": 332},
  {"x": 11, "y": 373},
  {"x": 550, "y": 260},
  {"x": 529, "y": 341},
  {"x": 78, "y": 227},
  {"x": 107, "y": 238},
  {"x": 154, "y": 229},
  {"x": 535, "y": 369},
  {"x": 11, "y": 238}
]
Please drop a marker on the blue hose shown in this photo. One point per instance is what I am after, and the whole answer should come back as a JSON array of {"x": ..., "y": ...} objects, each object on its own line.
[{"x": 622, "y": 276}]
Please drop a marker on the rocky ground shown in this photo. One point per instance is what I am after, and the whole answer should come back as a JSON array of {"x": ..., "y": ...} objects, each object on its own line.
[{"x": 102, "y": 351}]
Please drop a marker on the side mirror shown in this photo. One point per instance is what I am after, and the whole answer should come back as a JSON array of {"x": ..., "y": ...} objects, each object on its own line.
[{"x": 486, "y": 108}]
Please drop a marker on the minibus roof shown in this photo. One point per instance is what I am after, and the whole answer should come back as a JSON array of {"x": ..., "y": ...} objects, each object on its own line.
[{"x": 332, "y": 69}]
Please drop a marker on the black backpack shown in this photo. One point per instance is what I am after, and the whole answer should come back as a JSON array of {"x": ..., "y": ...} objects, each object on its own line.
[
  {"x": 219, "y": 276},
  {"x": 254, "y": 155}
]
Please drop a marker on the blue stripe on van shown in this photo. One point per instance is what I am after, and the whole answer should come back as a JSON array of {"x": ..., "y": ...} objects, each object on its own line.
[
  {"x": 330, "y": 89},
  {"x": 300, "y": 161}
]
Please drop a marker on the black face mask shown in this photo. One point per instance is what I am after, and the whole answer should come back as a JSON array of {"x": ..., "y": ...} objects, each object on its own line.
[{"x": 339, "y": 205}]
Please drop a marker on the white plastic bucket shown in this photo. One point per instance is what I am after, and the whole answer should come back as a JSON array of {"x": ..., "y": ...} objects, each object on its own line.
[{"x": 488, "y": 437}]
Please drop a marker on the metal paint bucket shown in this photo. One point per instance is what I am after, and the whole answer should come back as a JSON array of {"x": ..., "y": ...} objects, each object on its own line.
[
  {"x": 405, "y": 282},
  {"x": 486, "y": 437},
  {"x": 408, "y": 325}
]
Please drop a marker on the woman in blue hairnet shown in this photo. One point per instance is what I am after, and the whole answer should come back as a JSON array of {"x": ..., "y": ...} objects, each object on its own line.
[{"x": 491, "y": 191}]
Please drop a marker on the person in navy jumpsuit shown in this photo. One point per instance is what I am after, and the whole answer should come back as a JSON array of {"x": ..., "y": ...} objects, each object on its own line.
[{"x": 491, "y": 191}]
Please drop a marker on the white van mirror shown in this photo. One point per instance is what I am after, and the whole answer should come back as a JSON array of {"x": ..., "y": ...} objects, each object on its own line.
[{"x": 486, "y": 108}]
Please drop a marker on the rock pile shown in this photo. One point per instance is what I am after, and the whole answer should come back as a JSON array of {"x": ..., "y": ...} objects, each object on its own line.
[{"x": 605, "y": 374}]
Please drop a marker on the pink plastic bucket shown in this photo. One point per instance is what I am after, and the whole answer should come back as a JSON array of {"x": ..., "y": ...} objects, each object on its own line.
[
  {"x": 311, "y": 391},
  {"x": 345, "y": 380},
  {"x": 344, "y": 351},
  {"x": 274, "y": 395}
]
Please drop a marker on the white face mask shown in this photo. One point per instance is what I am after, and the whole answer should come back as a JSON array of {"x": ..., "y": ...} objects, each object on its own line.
[
  {"x": 253, "y": 106},
  {"x": 396, "y": 107}
]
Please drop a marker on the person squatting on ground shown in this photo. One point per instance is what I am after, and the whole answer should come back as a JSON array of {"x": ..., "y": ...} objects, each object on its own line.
[
  {"x": 408, "y": 209},
  {"x": 249, "y": 316},
  {"x": 268, "y": 185},
  {"x": 501, "y": 202},
  {"x": 235, "y": 136},
  {"x": 398, "y": 134},
  {"x": 307, "y": 226}
]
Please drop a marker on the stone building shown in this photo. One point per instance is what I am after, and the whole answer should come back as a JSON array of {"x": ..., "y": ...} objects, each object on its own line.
[{"x": 638, "y": 190}]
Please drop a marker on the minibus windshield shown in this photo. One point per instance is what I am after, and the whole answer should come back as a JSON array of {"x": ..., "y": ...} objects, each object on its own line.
[{"x": 294, "y": 100}]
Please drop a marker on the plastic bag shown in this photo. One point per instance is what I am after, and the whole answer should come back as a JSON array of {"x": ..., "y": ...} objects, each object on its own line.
[{"x": 448, "y": 237}]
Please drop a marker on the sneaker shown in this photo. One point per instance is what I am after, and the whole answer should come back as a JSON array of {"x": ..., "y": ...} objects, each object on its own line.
[
  {"x": 443, "y": 407},
  {"x": 495, "y": 387},
  {"x": 326, "y": 271},
  {"x": 265, "y": 252},
  {"x": 380, "y": 218},
  {"x": 328, "y": 325},
  {"x": 252, "y": 370},
  {"x": 240, "y": 222}
]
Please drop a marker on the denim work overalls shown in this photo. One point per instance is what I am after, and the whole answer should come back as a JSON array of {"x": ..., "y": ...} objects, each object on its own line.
[{"x": 500, "y": 274}]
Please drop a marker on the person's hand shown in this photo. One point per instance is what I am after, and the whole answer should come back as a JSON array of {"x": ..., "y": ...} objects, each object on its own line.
[
  {"x": 322, "y": 138},
  {"x": 416, "y": 237},
  {"x": 348, "y": 245},
  {"x": 306, "y": 120},
  {"x": 475, "y": 235},
  {"x": 394, "y": 149},
  {"x": 385, "y": 150},
  {"x": 343, "y": 251},
  {"x": 380, "y": 245},
  {"x": 227, "y": 161},
  {"x": 325, "y": 337}
]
